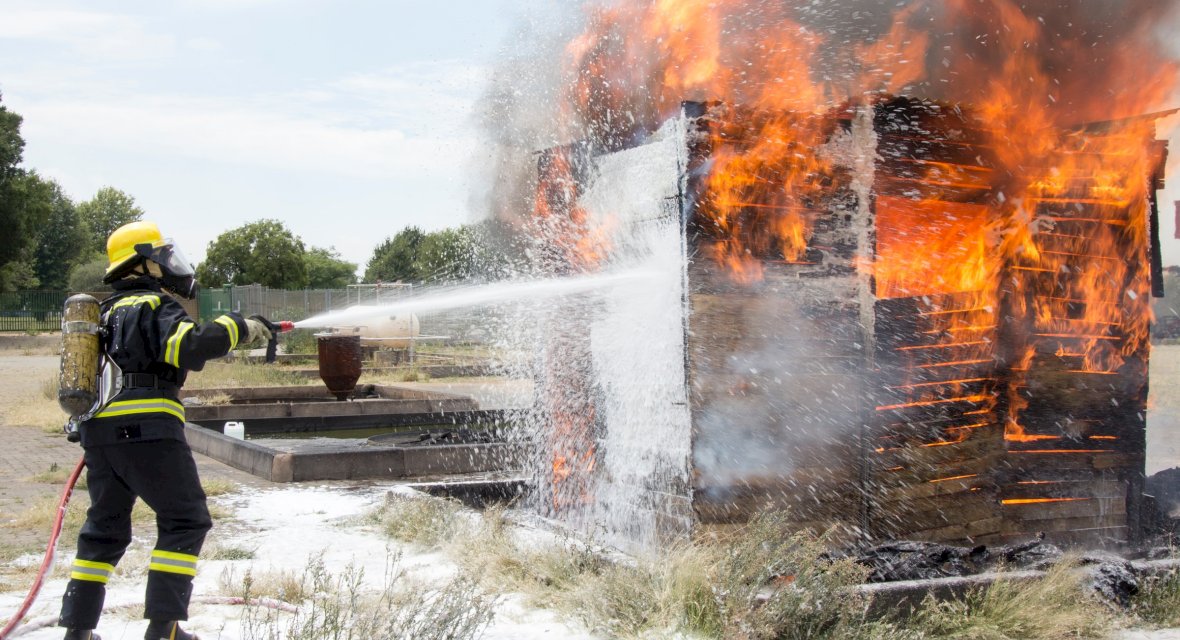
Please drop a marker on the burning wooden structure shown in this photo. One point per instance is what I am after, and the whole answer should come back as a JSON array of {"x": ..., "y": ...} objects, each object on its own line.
[{"x": 893, "y": 321}]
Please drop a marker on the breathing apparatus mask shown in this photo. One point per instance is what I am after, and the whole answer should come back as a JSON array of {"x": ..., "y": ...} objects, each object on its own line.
[{"x": 176, "y": 272}]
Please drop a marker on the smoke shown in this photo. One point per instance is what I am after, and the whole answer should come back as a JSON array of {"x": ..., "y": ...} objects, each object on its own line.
[{"x": 516, "y": 115}]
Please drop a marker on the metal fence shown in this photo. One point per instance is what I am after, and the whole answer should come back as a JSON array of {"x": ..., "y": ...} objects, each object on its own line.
[
  {"x": 31, "y": 311},
  {"x": 279, "y": 304},
  {"x": 40, "y": 311}
]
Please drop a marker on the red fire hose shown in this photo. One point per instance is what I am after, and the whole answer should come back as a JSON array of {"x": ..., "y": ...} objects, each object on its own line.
[{"x": 50, "y": 550}]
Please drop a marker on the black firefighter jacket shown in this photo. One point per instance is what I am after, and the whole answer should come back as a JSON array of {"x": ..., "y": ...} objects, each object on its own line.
[{"x": 155, "y": 342}]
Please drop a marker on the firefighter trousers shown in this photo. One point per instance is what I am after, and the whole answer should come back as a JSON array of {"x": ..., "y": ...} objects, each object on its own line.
[{"x": 164, "y": 474}]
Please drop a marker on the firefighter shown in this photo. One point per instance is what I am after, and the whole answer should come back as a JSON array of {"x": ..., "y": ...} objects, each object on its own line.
[{"x": 134, "y": 440}]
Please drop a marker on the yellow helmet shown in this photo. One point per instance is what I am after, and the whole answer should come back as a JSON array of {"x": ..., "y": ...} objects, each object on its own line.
[
  {"x": 133, "y": 244},
  {"x": 121, "y": 244}
]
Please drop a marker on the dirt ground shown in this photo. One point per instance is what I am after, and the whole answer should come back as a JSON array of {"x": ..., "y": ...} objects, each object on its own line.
[
  {"x": 29, "y": 363},
  {"x": 35, "y": 459}
]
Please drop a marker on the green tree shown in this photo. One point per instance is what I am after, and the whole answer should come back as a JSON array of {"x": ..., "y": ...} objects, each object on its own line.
[
  {"x": 63, "y": 240},
  {"x": 498, "y": 250},
  {"x": 87, "y": 275},
  {"x": 12, "y": 146},
  {"x": 446, "y": 255},
  {"x": 327, "y": 270},
  {"x": 108, "y": 210},
  {"x": 23, "y": 205},
  {"x": 263, "y": 252},
  {"x": 18, "y": 274},
  {"x": 394, "y": 260}
]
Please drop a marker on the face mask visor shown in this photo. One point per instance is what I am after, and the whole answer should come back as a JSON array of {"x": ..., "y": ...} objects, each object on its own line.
[
  {"x": 172, "y": 261},
  {"x": 178, "y": 275}
]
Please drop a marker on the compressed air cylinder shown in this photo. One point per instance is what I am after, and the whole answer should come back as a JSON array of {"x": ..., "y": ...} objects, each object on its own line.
[{"x": 78, "y": 382}]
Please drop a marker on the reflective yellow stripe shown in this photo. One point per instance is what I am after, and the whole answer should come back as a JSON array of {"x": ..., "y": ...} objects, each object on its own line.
[
  {"x": 231, "y": 327},
  {"x": 174, "y": 555},
  {"x": 146, "y": 405},
  {"x": 91, "y": 571},
  {"x": 172, "y": 562},
  {"x": 152, "y": 300},
  {"x": 172, "y": 347}
]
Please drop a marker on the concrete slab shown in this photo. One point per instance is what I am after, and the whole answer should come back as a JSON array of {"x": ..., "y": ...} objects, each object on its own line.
[{"x": 351, "y": 459}]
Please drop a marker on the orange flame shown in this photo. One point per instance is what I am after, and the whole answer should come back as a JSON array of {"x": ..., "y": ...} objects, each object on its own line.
[
  {"x": 1024, "y": 247},
  {"x": 1018, "y": 501}
]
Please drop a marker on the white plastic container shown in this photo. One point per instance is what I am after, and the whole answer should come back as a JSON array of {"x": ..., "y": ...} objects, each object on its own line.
[{"x": 235, "y": 430}]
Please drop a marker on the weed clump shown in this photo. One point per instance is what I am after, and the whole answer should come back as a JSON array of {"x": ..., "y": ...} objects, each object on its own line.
[
  {"x": 340, "y": 607},
  {"x": 1158, "y": 600},
  {"x": 762, "y": 581},
  {"x": 239, "y": 373},
  {"x": 429, "y": 522},
  {"x": 1055, "y": 606}
]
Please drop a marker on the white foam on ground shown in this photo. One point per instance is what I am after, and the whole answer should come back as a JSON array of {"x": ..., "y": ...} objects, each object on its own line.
[{"x": 286, "y": 528}]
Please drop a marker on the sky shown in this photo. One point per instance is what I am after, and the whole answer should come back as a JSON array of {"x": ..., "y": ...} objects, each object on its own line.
[{"x": 346, "y": 120}]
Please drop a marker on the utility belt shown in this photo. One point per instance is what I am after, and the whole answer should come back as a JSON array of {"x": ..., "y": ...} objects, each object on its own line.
[
  {"x": 156, "y": 403},
  {"x": 147, "y": 381}
]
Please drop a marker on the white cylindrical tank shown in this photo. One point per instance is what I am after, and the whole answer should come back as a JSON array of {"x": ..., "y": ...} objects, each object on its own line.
[{"x": 392, "y": 331}]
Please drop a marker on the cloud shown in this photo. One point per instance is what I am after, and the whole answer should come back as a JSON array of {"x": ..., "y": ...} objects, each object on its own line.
[
  {"x": 96, "y": 35},
  {"x": 241, "y": 132},
  {"x": 229, "y": 5},
  {"x": 420, "y": 96}
]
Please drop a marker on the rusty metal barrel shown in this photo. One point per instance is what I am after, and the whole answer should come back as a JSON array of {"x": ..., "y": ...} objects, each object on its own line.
[{"x": 340, "y": 363}]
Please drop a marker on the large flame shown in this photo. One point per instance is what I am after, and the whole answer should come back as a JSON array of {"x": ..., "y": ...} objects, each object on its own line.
[
  {"x": 776, "y": 66},
  {"x": 1029, "y": 251}
]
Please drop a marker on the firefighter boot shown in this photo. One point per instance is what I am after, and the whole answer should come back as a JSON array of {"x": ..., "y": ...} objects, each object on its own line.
[
  {"x": 81, "y": 634},
  {"x": 167, "y": 630}
]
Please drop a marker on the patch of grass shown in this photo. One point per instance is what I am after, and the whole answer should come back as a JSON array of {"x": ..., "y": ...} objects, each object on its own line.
[
  {"x": 286, "y": 586},
  {"x": 39, "y": 516},
  {"x": 37, "y": 410},
  {"x": 239, "y": 373},
  {"x": 1056, "y": 606},
  {"x": 426, "y": 521},
  {"x": 1158, "y": 600},
  {"x": 412, "y": 375},
  {"x": 400, "y": 374},
  {"x": 338, "y": 607},
  {"x": 216, "y": 399},
  {"x": 55, "y": 474},
  {"x": 142, "y": 515},
  {"x": 10, "y": 551},
  {"x": 763, "y": 581},
  {"x": 299, "y": 341},
  {"x": 49, "y": 388},
  {"x": 218, "y": 551},
  {"x": 218, "y": 487},
  {"x": 219, "y": 513}
]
